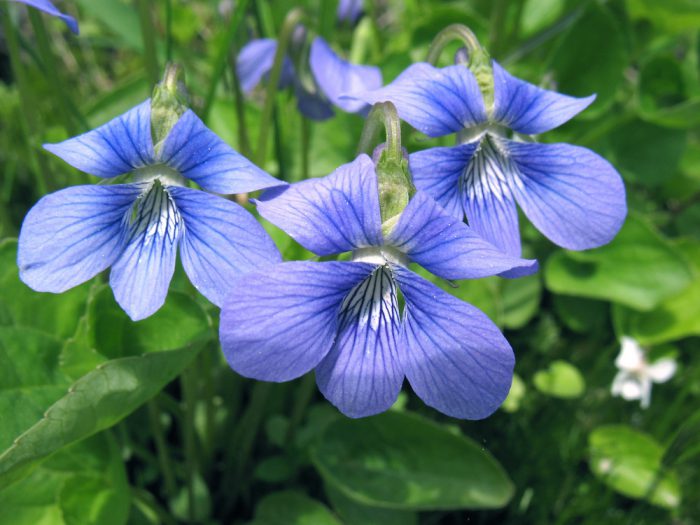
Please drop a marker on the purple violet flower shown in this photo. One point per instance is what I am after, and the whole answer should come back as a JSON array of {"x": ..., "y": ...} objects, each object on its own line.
[
  {"x": 349, "y": 11},
  {"x": 335, "y": 79},
  {"x": 343, "y": 319},
  {"x": 571, "y": 194},
  {"x": 73, "y": 234}
]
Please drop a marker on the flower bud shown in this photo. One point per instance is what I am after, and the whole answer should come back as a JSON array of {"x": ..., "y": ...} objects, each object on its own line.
[{"x": 169, "y": 101}]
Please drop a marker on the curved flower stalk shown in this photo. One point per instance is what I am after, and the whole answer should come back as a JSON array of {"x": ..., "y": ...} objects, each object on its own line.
[
  {"x": 636, "y": 374},
  {"x": 333, "y": 77},
  {"x": 47, "y": 7},
  {"x": 71, "y": 235},
  {"x": 343, "y": 318},
  {"x": 571, "y": 194}
]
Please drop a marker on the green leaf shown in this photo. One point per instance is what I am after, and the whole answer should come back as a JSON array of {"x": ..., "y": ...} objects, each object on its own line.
[
  {"x": 275, "y": 469},
  {"x": 83, "y": 483},
  {"x": 639, "y": 268},
  {"x": 402, "y": 461},
  {"x": 56, "y": 314},
  {"x": 354, "y": 513},
  {"x": 521, "y": 300},
  {"x": 30, "y": 379},
  {"x": 629, "y": 462},
  {"x": 647, "y": 153},
  {"x": 95, "y": 402},
  {"x": 676, "y": 317},
  {"x": 561, "y": 379},
  {"x": 117, "y": 16},
  {"x": 662, "y": 93},
  {"x": 581, "y": 315},
  {"x": 292, "y": 508},
  {"x": 181, "y": 321},
  {"x": 606, "y": 62},
  {"x": 485, "y": 294},
  {"x": 78, "y": 355},
  {"x": 540, "y": 14},
  {"x": 671, "y": 15}
]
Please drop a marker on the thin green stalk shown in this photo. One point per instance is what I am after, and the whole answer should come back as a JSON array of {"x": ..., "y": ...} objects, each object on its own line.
[
  {"x": 149, "y": 43},
  {"x": 189, "y": 395},
  {"x": 382, "y": 115},
  {"x": 515, "y": 28},
  {"x": 303, "y": 398},
  {"x": 221, "y": 57},
  {"x": 207, "y": 366},
  {"x": 263, "y": 14},
  {"x": 279, "y": 145},
  {"x": 146, "y": 499},
  {"x": 290, "y": 22},
  {"x": 36, "y": 162},
  {"x": 241, "y": 444},
  {"x": 449, "y": 34},
  {"x": 59, "y": 92},
  {"x": 168, "y": 30},
  {"x": 498, "y": 19},
  {"x": 326, "y": 19},
  {"x": 305, "y": 146},
  {"x": 544, "y": 36},
  {"x": 161, "y": 448},
  {"x": 243, "y": 137}
]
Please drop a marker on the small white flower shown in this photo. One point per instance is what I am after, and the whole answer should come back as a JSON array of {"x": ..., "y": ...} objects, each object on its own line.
[{"x": 636, "y": 374}]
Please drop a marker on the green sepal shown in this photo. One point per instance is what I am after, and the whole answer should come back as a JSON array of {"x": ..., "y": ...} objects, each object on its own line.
[
  {"x": 168, "y": 103},
  {"x": 395, "y": 188},
  {"x": 480, "y": 64}
]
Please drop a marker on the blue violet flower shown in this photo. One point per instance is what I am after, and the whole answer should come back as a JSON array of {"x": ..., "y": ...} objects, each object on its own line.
[
  {"x": 73, "y": 234},
  {"x": 343, "y": 318},
  {"x": 349, "y": 11},
  {"x": 334, "y": 78},
  {"x": 571, "y": 194}
]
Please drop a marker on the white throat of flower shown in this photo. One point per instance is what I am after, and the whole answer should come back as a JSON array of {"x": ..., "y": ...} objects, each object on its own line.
[
  {"x": 380, "y": 255},
  {"x": 165, "y": 174},
  {"x": 154, "y": 214}
]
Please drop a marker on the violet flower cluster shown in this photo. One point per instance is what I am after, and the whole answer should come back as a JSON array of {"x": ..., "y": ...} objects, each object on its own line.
[{"x": 362, "y": 324}]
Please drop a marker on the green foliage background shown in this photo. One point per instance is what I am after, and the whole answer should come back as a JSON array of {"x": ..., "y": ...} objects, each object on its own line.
[{"x": 108, "y": 421}]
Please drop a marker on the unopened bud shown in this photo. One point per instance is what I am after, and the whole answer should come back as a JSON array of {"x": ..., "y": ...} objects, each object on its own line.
[{"x": 169, "y": 101}]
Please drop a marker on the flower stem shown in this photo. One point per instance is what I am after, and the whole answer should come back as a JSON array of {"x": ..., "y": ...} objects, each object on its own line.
[
  {"x": 290, "y": 22},
  {"x": 168, "y": 30},
  {"x": 189, "y": 396},
  {"x": 450, "y": 33},
  {"x": 149, "y": 44},
  {"x": 305, "y": 146},
  {"x": 161, "y": 448},
  {"x": 62, "y": 100},
  {"x": 498, "y": 16},
  {"x": 243, "y": 137},
  {"x": 27, "y": 108},
  {"x": 242, "y": 442},
  {"x": 382, "y": 113},
  {"x": 303, "y": 397},
  {"x": 222, "y": 55},
  {"x": 145, "y": 499}
]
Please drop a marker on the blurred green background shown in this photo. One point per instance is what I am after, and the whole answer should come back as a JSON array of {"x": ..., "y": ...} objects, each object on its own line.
[{"x": 143, "y": 423}]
